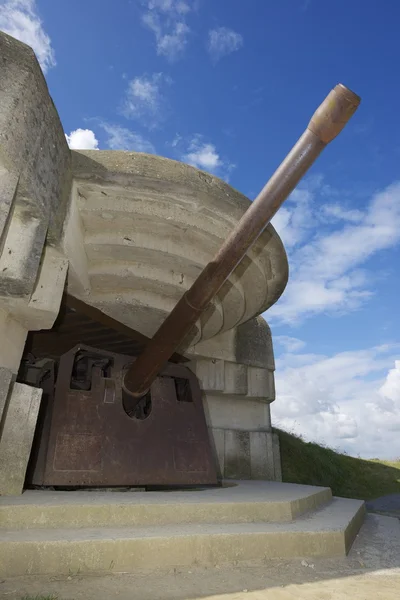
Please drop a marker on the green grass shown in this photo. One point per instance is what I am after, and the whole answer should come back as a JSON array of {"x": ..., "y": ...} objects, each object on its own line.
[{"x": 349, "y": 477}]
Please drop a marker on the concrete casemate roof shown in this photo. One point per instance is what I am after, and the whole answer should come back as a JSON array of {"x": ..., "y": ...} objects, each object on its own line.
[{"x": 151, "y": 225}]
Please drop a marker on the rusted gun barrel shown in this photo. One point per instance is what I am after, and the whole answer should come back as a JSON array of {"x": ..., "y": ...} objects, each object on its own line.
[{"x": 326, "y": 123}]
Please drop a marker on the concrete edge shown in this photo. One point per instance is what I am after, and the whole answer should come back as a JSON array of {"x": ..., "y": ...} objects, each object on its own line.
[
  {"x": 303, "y": 505},
  {"x": 125, "y": 515},
  {"x": 110, "y": 555},
  {"x": 354, "y": 527},
  {"x": 31, "y": 516}
]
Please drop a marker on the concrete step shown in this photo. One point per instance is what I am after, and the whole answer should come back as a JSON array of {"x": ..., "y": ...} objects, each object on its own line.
[
  {"x": 328, "y": 532},
  {"x": 235, "y": 502}
]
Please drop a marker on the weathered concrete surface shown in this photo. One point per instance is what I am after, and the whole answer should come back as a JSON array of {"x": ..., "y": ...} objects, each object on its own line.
[
  {"x": 48, "y": 291},
  {"x": 232, "y": 379},
  {"x": 237, "y": 455},
  {"x": 42, "y": 308},
  {"x": 237, "y": 413},
  {"x": 240, "y": 428},
  {"x": 12, "y": 335},
  {"x": 262, "y": 462},
  {"x": 239, "y": 502},
  {"x": 35, "y": 181},
  {"x": 73, "y": 246},
  {"x": 18, "y": 427},
  {"x": 253, "y": 344},
  {"x": 276, "y": 452},
  {"x": 150, "y": 225},
  {"x": 35, "y": 184},
  {"x": 370, "y": 572},
  {"x": 249, "y": 344},
  {"x": 21, "y": 252},
  {"x": 6, "y": 377},
  {"x": 8, "y": 188},
  {"x": 33, "y": 149},
  {"x": 236, "y": 398},
  {"x": 327, "y": 532},
  {"x": 250, "y": 454}
]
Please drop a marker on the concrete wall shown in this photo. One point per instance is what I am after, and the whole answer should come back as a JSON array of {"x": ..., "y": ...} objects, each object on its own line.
[
  {"x": 35, "y": 178},
  {"x": 236, "y": 374}
]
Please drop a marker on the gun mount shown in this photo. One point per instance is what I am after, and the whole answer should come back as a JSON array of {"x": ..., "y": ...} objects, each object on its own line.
[
  {"x": 115, "y": 410},
  {"x": 326, "y": 123}
]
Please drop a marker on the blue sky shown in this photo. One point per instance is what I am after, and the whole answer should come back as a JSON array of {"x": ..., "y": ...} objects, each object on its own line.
[{"x": 229, "y": 87}]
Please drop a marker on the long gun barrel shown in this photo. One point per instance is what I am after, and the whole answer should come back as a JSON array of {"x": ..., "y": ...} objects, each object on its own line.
[{"x": 326, "y": 123}]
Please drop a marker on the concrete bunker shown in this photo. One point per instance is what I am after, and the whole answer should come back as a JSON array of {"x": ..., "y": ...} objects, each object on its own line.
[
  {"x": 121, "y": 236},
  {"x": 96, "y": 249}
]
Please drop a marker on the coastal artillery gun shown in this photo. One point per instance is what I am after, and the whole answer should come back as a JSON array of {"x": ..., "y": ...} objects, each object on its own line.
[{"x": 136, "y": 418}]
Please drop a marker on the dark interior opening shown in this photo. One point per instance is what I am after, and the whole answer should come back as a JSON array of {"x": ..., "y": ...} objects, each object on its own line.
[
  {"x": 140, "y": 411},
  {"x": 183, "y": 390},
  {"x": 81, "y": 377}
]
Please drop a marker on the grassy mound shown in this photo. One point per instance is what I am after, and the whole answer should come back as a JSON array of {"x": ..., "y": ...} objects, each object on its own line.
[{"x": 349, "y": 477}]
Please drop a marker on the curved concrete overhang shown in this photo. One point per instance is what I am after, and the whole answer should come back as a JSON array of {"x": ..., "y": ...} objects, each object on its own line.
[{"x": 140, "y": 230}]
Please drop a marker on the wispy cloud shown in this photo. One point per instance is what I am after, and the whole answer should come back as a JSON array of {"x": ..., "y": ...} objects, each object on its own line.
[
  {"x": 329, "y": 246},
  {"x": 349, "y": 400},
  {"x": 19, "y": 18},
  {"x": 290, "y": 344},
  {"x": 144, "y": 100},
  {"x": 82, "y": 139},
  {"x": 223, "y": 41},
  {"x": 340, "y": 213},
  {"x": 167, "y": 20},
  {"x": 121, "y": 138},
  {"x": 203, "y": 154}
]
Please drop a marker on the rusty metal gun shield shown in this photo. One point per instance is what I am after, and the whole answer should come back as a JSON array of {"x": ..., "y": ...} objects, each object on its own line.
[{"x": 96, "y": 438}]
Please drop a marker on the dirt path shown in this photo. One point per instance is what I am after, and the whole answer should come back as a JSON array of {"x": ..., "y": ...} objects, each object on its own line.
[{"x": 372, "y": 571}]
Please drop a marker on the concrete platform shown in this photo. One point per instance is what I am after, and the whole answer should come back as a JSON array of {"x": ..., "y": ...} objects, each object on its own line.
[
  {"x": 370, "y": 572},
  {"x": 202, "y": 528},
  {"x": 238, "y": 502}
]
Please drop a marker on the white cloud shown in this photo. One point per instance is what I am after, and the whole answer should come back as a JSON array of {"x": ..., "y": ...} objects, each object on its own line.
[
  {"x": 82, "y": 139},
  {"x": 171, "y": 44},
  {"x": 204, "y": 155},
  {"x": 296, "y": 222},
  {"x": 177, "y": 139},
  {"x": 290, "y": 344},
  {"x": 391, "y": 388},
  {"x": 143, "y": 99},
  {"x": 167, "y": 20},
  {"x": 223, "y": 41},
  {"x": 329, "y": 257},
  {"x": 338, "y": 212},
  {"x": 121, "y": 138},
  {"x": 349, "y": 401},
  {"x": 19, "y": 19}
]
